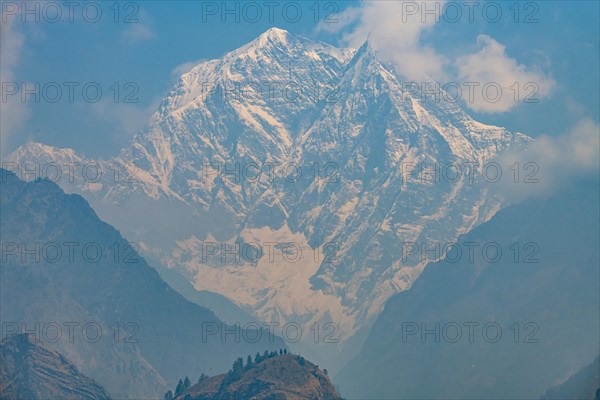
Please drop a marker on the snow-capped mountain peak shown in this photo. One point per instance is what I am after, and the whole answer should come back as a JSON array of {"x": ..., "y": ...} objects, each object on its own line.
[
  {"x": 215, "y": 163},
  {"x": 275, "y": 35}
]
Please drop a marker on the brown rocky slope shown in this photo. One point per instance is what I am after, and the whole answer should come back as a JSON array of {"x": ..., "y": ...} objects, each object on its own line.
[{"x": 270, "y": 376}]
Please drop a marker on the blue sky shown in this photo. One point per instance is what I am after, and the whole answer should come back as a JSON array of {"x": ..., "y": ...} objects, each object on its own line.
[{"x": 561, "y": 50}]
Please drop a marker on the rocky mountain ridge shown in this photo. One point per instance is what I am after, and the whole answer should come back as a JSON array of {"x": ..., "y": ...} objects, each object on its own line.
[{"x": 312, "y": 163}]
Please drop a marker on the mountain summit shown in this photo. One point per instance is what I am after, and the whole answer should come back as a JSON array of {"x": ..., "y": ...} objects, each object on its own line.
[
  {"x": 274, "y": 35},
  {"x": 270, "y": 376},
  {"x": 298, "y": 143}
]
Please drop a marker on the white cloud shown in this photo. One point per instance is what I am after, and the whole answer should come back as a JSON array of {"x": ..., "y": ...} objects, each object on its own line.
[
  {"x": 129, "y": 118},
  {"x": 139, "y": 31},
  {"x": 396, "y": 30},
  {"x": 508, "y": 82},
  {"x": 574, "y": 107},
  {"x": 552, "y": 161},
  {"x": 185, "y": 67},
  {"x": 395, "y": 33},
  {"x": 13, "y": 112}
]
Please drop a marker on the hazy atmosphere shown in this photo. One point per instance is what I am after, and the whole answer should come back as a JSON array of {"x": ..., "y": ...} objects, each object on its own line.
[{"x": 212, "y": 200}]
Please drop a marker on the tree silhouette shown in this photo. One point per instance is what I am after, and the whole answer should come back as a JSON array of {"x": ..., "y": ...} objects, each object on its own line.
[
  {"x": 179, "y": 388},
  {"x": 234, "y": 373},
  {"x": 238, "y": 367},
  {"x": 168, "y": 395}
]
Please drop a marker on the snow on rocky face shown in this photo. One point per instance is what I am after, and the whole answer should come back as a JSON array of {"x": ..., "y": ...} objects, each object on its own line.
[{"x": 320, "y": 164}]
